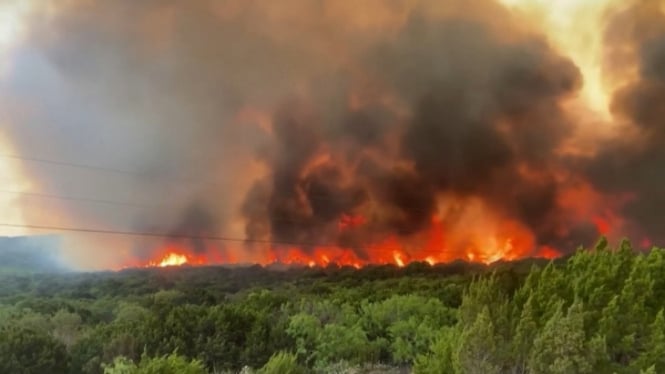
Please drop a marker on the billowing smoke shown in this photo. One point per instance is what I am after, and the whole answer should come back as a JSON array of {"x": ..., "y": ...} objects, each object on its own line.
[
  {"x": 482, "y": 119},
  {"x": 435, "y": 128},
  {"x": 631, "y": 166}
]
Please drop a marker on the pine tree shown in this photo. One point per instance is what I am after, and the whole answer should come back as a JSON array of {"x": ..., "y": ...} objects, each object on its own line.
[
  {"x": 625, "y": 318},
  {"x": 562, "y": 347},
  {"x": 525, "y": 334},
  {"x": 654, "y": 354},
  {"x": 440, "y": 359},
  {"x": 478, "y": 349}
]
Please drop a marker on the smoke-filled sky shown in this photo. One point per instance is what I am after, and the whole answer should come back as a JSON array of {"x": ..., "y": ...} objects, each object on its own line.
[{"x": 364, "y": 130}]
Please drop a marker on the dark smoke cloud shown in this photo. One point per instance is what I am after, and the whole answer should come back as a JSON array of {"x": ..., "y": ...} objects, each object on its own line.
[
  {"x": 480, "y": 111},
  {"x": 375, "y": 116},
  {"x": 197, "y": 222},
  {"x": 632, "y": 164}
]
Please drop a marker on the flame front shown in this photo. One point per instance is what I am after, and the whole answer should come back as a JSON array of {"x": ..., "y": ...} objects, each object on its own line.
[
  {"x": 508, "y": 243},
  {"x": 173, "y": 259},
  {"x": 171, "y": 254}
]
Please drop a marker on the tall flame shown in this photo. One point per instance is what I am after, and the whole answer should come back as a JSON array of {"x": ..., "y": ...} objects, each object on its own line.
[
  {"x": 508, "y": 243},
  {"x": 173, "y": 259}
]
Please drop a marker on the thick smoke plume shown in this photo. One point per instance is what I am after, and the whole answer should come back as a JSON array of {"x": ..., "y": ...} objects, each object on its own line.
[
  {"x": 412, "y": 129},
  {"x": 631, "y": 166},
  {"x": 469, "y": 114}
]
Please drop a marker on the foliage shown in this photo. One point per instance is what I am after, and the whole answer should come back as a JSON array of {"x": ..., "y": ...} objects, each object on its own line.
[
  {"x": 598, "y": 311},
  {"x": 170, "y": 364},
  {"x": 594, "y": 313},
  {"x": 282, "y": 362},
  {"x": 25, "y": 351}
]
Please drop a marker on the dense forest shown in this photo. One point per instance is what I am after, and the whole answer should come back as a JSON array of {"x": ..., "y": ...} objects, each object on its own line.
[{"x": 597, "y": 311}]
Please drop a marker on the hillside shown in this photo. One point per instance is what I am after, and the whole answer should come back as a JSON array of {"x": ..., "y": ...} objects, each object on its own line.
[{"x": 30, "y": 254}]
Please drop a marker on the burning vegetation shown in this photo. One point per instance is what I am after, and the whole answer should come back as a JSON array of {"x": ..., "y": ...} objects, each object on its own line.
[{"x": 317, "y": 133}]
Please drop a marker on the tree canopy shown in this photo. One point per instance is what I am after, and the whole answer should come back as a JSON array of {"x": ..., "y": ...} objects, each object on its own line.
[{"x": 599, "y": 310}]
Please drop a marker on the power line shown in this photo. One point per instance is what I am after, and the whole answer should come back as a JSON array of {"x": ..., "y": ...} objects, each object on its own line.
[
  {"x": 119, "y": 171},
  {"x": 100, "y": 168},
  {"x": 310, "y": 198},
  {"x": 188, "y": 237},
  {"x": 121, "y": 203},
  {"x": 205, "y": 237},
  {"x": 71, "y": 164},
  {"x": 217, "y": 238},
  {"x": 83, "y": 199},
  {"x": 119, "y": 232}
]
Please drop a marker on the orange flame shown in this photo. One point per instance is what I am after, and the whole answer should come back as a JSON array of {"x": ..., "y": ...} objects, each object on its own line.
[
  {"x": 173, "y": 259},
  {"x": 483, "y": 242},
  {"x": 398, "y": 258},
  {"x": 171, "y": 255}
]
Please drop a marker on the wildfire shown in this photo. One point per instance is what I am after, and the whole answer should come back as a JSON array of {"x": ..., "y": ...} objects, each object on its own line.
[
  {"x": 173, "y": 259},
  {"x": 170, "y": 255},
  {"x": 434, "y": 249},
  {"x": 481, "y": 238},
  {"x": 358, "y": 188},
  {"x": 398, "y": 259}
]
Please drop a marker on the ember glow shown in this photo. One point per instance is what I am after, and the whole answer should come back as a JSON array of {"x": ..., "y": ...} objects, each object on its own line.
[
  {"x": 172, "y": 255},
  {"x": 332, "y": 132},
  {"x": 432, "y": 250},
  {"x": 173, "y": 259}
]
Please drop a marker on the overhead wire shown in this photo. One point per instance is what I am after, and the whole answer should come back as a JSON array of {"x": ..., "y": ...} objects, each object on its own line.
[
  {"x": 82, "y": 199},
  {"x": 145, "y": 206},
  {"x": 119, "y": 203},
  {"x": 311, "y": 197},
  {"x": 69, "y": 164},
  {"x": 193, "y": 237}
]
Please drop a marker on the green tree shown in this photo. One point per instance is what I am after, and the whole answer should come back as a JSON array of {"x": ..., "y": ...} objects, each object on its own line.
[
  {"x": 33, "y": 321},
  {"x": 170, "y": 364},
  {"x": 525, "y": 334},
  {"x": 130, "y": 314},
  {"x": 24, "y": 351},
  {"x": 305, "y": 329},
  {"x": 625, "y": 319},
  {"x": 477, "y": 352},
  {"x": 402, "y": 326},
  {"x": 221, "y": 336},
  {"x": 337, "y": 342},
  {"x": 121, "y": 365},
  {"x": 87, "y": 354},
  {"x": 66, "y": 327},
  {"x": 439, "y": 359},
  {"x": 410, "y": 337},
  {"x": 562, "y": 347},
  {"x": 282, "y": 363},
  {"x": 650, "y": 370},
  {"x": 653, "y": 355}
]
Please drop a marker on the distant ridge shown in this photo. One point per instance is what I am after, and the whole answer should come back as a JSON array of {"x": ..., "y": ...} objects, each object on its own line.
[{"x": 31, "y": 254}]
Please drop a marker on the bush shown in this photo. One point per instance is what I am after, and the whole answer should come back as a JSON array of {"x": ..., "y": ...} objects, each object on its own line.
[
  {"x": 282, "y": 363},
  {"x": 171, "y": 364},
  {"x": 26, "y": 351}
]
